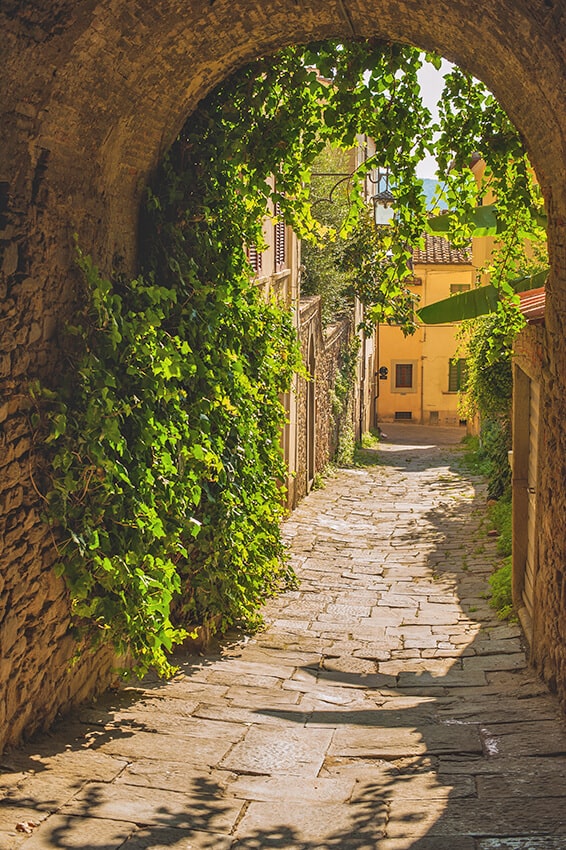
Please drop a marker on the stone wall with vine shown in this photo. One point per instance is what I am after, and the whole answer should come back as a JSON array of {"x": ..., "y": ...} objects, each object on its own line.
[{"x": 334, "y": 388}]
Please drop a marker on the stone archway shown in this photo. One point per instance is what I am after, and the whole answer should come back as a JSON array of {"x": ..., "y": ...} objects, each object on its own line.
[{"x": 93, "y": 92}]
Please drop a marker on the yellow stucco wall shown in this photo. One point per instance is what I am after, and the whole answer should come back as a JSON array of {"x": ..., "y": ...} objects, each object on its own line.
[{"x": 429, "y": 351}]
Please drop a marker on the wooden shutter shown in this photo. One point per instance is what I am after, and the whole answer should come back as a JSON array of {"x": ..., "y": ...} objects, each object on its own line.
[
  {"x": 457, "y": 370},
  {"x": 280, "y": 241},
  {"x": 404, "y": 376},
  {"x": 255, "y": 259}
]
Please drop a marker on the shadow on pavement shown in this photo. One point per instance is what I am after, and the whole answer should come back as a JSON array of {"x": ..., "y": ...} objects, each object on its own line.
[{"x": 461, "y": 752}]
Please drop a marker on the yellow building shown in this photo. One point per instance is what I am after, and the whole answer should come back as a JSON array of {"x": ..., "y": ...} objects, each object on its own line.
[{"x": 419, "y": 380}]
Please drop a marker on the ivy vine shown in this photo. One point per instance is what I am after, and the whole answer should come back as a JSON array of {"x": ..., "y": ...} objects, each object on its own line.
[{"x": 163, "y": 434}]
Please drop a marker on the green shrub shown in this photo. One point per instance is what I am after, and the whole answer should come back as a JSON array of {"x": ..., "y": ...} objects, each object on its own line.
[
  {"x": 500, "y": 515},
  {"x": 473, "y": 458},
  {"x": 496, "y": 443},
  {"x": 501, "y": 590}
]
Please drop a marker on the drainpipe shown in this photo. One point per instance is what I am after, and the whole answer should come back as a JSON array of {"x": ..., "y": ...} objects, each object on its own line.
[
  {"x": 423, "y": 342},
  {"x": 362, "y": 383},
  {"x": 422, "y": 391},
  {"x": 376, "y": 378}
]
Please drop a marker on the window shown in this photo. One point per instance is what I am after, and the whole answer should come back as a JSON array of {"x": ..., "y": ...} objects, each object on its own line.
[
  {"x": 457, "y": 370},
  {"x": 403, "y": 376},
  {"x": 455, "y": 288}
]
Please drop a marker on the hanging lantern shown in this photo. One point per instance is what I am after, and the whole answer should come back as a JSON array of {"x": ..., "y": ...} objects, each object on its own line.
[{"x": 383, "y": 199}]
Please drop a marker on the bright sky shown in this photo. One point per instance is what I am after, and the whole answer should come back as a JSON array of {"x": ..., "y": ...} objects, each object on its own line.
[{"x": 431, "y": 82}]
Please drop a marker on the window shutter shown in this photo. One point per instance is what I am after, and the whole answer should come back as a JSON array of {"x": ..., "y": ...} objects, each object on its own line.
[
  {"x": 404, "y": 375},
  {"x": 255, "y": 259},
  {"x": 280, "y": 241},
  {"x": 457, "y": 375}
]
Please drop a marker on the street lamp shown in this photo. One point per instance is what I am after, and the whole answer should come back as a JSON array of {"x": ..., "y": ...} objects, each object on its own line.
[
  {"x": 383, "y": 199},
  {"x": 383, "y": 214}
]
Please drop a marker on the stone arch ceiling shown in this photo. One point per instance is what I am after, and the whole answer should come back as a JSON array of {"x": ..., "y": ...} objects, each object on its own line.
[{"x": 107, "y": 85}]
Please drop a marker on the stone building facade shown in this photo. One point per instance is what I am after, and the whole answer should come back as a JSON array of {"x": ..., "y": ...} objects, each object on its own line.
[{"x": 92, "y": 93}]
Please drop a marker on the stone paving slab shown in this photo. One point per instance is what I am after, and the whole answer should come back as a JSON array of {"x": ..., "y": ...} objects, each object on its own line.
[
  {"x": 322, "y": 825},
  {"x": 177, "y": 839},
  {"x": 453, "y": 842},
  {"x": 531, "y": 842},
  {"x": 530, "y": 780},
  {"x": 201, "y": 809},
  {"x": 384, "y": 706},
  {"x": 170, "y": 776},
  {"x": 479, "y": 818},
  {"x": 268, "y": 751},
  {"x": 189, "y": 750},
  {"x": 394, "y": 742},
  {"x": 78, "y": 833},
  {"x": 309, "y": 791}
]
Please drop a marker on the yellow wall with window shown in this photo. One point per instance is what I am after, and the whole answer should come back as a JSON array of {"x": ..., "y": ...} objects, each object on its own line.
[{"x": 422, "y": 381}]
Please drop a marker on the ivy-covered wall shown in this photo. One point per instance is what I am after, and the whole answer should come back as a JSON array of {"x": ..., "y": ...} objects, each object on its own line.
[
  {"x": 333, "y": 412},
  {"x": 91, "y": 95}
]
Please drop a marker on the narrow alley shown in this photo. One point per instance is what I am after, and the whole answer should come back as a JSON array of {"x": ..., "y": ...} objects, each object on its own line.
[{"x": 384, "y": 707}]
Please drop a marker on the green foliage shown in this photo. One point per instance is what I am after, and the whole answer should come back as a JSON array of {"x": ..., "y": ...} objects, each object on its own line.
[
  {"x": 476, "y": 302},
  {"x": 165, "y": 461},
  {"x": 501, "y": 590},
  {"x": 476, "y": 460},
  {"x": 346, "y": 451},
  {"x": 379, "y": 276},
  {"x": 342, "y": 404},
  {"x": 481, "y": 220},
  {"x": 359, "y": 261},
  {"x": 323, "y": 273},
  {"x": 164, "y": 432},
  {"x": 473, "y": 126},
  {"x": 487, "y": 346},
  {"x": 496, "y": 443},
  {"x": 489, "y": 390},
  {"x": 473, "y": 458},
  {"x": 500, "y": 515},
  {"x": 370, "y": 440}
]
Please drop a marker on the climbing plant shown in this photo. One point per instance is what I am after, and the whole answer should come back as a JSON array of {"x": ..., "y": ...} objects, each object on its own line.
[
  {"x": 487, "y": 344},
  {"x": 342, "y": 399},
  {"x": 322, "y": 261},
  {"x": 163, "y": 433}
]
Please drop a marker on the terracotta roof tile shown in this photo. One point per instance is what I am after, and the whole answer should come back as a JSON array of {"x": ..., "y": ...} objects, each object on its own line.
[{"x": 439, "y": 250}]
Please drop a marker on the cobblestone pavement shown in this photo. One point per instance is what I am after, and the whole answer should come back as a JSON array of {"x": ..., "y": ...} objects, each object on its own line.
[{"x": 384, "y": 707}]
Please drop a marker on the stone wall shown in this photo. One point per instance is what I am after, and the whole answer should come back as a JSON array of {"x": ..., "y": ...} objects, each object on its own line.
[
  {"x": 529, "y": 350},
  {"x": 91, "y": 94},
  {"x": 336, "y": 341},
  {"x": 329, "y": 346},
  {"x": 547, "y": 630}
]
